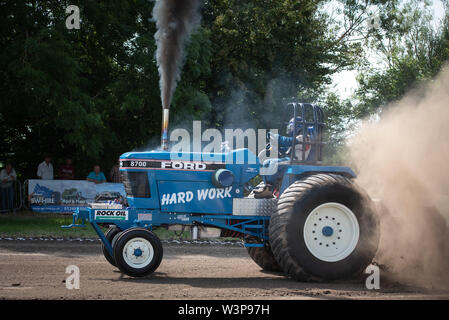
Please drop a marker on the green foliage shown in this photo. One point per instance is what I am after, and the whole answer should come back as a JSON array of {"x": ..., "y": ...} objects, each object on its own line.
[
  {"x": 265, "y": 51},
  {"x": 406, "y": 50},
  {"x": 89, "y": 94},
  {"x": 28, "y": 224},
  {"x": 412, "y": 50},
  {"x": 93, "y": 93}
]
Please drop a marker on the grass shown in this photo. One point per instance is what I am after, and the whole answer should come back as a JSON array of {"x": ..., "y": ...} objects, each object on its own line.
[{"x": 29, "y": 224}]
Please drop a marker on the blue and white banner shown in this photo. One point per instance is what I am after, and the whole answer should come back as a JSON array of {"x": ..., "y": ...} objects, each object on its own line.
[{"x": 66, "y": 195}]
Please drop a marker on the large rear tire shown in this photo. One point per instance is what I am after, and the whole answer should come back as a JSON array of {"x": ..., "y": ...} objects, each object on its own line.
[
  {"x": 325, "y": 228},
  {"x": 138, "y": 252}
]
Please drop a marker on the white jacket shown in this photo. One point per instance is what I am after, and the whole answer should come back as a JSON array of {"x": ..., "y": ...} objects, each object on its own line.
[{"x": 45, "y": 171}]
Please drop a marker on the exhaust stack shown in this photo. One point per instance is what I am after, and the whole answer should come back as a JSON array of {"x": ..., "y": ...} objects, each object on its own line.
[
  {"x": 164, "y": 132},
  {"x": 175, "y": 21}
]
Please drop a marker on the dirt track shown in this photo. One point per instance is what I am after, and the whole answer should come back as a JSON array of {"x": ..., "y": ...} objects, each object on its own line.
[{"x": 36, "y": 270}]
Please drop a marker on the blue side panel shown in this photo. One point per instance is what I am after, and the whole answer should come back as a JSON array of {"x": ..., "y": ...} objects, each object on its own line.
[
  {"x": 197, "y": 197},
  {"x": 170, "y": 185}
]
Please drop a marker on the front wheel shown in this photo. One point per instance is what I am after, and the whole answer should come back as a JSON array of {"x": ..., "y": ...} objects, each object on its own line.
[
  {"x": 325, "y": 228},
  {"x": 138, "y": 252},
  {"x": 110, "y": 235}
]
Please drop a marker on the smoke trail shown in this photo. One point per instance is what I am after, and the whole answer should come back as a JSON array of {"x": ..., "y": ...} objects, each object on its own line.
[
  {"x": 403, "y": 159},
  {"x": 175, "y": 21}
]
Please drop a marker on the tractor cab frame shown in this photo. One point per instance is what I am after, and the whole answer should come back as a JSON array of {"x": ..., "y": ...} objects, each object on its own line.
[{"x": 312, "y": 127}]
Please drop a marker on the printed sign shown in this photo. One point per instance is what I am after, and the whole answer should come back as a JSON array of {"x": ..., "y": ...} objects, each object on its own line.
[
  {"x": 66, "y": 195},
  {"x": 170, "y": 165},
  {"x": 116, "y": 215},
  {"x": 201, "y": 195},
  {"x": 198, "y": 197},
  {"x": 145, "y": 216}
]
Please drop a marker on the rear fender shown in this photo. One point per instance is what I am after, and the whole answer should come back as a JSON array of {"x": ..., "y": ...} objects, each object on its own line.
[{"x": 295, "y": 172}]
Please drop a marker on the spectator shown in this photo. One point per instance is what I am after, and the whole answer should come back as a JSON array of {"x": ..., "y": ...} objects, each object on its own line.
[
  {"x": 66, "y": 172},
  {"x": 7, "y": 178},
  {"x": 45, "y": 169},
  {"x": 96, "y": 176},
  {"x": 115, "y": 174}
]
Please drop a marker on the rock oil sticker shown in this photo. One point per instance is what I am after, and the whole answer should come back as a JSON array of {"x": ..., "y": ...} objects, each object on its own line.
[{"x": 117, "y": 215}]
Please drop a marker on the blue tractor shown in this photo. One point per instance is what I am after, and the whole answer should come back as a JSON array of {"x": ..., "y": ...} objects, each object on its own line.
[{"x": 317, "y": 224}]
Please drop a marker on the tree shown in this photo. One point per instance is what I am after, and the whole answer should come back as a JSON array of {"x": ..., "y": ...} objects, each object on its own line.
[
  {"x": 268, "y": 50},
  {"x": 91, "y": 93},
  {"x": 412, "y": 51},
  {"x": 404, "y": 50}
]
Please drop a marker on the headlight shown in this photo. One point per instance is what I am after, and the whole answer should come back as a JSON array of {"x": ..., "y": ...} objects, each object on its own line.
[{"x": 222, "y": 178}]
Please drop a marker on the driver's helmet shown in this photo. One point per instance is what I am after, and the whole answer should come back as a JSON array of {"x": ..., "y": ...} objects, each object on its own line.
[{"x": 291, "y": 124}]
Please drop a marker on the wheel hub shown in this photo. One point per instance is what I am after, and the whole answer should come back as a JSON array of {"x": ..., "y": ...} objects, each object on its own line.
[
  {"x": 327, "y": 231},
  {"x": 138, "y": 252}
]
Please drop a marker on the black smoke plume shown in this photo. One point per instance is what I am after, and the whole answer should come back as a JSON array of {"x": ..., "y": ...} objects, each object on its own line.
[{"x": 175, "y": 21}]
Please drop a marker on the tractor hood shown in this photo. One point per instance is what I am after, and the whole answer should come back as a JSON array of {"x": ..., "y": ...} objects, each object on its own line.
[
  {"x": 150, "y": 178},
  {"x": 242, "y": 162},
  {"x": 238, "y": 156}
]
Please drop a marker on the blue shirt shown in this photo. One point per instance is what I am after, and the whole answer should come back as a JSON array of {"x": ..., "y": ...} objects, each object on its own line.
[
  {"x": 100, "y": 177},
  {"x": 284, "y": 143}
]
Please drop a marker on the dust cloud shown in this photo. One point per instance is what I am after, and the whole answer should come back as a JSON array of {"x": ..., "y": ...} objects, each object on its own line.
[{"x": 402, "y": 159}]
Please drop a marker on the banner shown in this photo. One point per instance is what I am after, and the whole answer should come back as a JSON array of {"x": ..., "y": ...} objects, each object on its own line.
[{"x": 66, "y": 195}]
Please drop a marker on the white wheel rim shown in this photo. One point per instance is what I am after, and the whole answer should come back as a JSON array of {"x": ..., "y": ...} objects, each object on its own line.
[
  {"x": 138, "y": 253},
  {"x": 331, "y": 232}
]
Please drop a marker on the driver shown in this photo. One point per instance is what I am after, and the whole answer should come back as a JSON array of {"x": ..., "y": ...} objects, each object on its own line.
[{"x": 284, "y": 144}]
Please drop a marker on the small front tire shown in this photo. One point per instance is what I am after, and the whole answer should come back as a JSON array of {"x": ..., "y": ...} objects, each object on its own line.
[
  {"x": 110, "y": 235},
  {"x": 138, "y": 252}
]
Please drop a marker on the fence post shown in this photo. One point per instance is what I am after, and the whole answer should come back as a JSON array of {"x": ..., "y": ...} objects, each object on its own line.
[
  {"x": 17, "y": 197},
  {"x": 25, "y": 194}
]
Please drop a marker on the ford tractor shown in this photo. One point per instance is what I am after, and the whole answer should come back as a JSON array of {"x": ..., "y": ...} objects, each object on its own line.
[{"x": 315, "y": 225}]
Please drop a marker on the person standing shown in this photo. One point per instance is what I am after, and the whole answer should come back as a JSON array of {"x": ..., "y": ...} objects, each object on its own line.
[
  {"x": 67, "y": 172},
  {"x": 45, "y": 169},
  {"x": 7, "y": 178},
  {"x": 114, "y": 174},
  {"x": 96, "y": 175}
]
